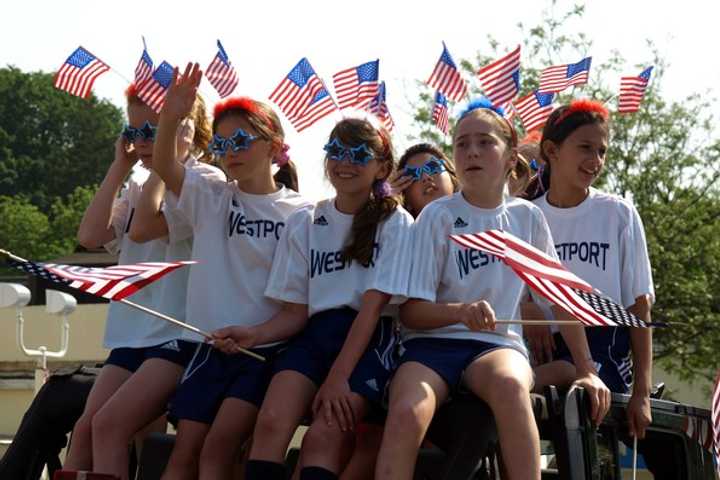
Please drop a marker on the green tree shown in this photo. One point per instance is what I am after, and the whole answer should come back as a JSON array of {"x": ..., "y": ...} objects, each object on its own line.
[
  {"x": 51, "y": 142},
  {"x": 24, "y": 229},
  {"x": 667, "y": 157},
  {"x": 65, "y": 217}
]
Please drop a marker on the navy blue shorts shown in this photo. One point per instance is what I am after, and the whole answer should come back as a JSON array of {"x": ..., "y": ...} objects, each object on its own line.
[
  {"x": 179, "y": 352},
  {"x": 212, "y": 376},
  {"x": 313, "y": 352},
  {"x": 448, "y": 357},
  {"x": 610, "y": 350}
]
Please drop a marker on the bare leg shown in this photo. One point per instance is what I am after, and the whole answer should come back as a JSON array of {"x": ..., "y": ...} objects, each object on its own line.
[
  {"x": 139, "y": 401},
  {"x": 79, "y": 456},
  {"x": 223, "y": 444},
  {"x": 415, "y": 394},
  {"x": 183, "y": 463},
  {"x": 503, "y": 379}
]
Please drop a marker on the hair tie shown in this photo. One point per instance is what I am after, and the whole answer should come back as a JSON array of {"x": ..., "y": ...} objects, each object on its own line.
[
  {"x": 282, "y": 158},
  {"x": 381, "y": 189}
]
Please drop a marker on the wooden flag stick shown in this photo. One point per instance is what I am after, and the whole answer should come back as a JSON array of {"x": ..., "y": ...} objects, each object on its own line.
[{"x": 157, "y": 314}]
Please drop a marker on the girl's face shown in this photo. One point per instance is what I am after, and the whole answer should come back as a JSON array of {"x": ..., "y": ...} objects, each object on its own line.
[
  {"x": 578, "y": 161},
  {"x": 352, "y": 178},
  {"x": 482, "y": 157},
  {"x": 428, "y": 188},
  {"x": 244, "y": 164},
  {"x": 138, "y": 114}
]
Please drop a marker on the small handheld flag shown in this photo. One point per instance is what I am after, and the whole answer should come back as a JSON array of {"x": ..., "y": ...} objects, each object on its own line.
[{"x": 78, "y": 74}]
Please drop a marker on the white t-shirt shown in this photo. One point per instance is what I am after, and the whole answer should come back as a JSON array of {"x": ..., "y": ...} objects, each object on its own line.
[
  {"x": 309, "y": 269},
  {"x": 127, "y": 326},
  {"x": 235, "y": 235},
  {"x": 602, "y": 241},
  {"x": 445, "y": 272}
]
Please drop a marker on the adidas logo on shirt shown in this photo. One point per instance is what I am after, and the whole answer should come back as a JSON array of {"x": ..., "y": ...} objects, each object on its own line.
[
  {"x": 372, "y": 383},
  {"x": 460, "y": 223},
  {"x": 321, "y": 220},
  {"x": 171, "y": 345}
]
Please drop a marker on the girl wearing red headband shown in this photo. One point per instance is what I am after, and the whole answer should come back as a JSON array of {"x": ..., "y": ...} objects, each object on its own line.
[
  {"x": 146, "y": 354},
  {"x": 599, "y": 237},
  {"x": 236, "y": 227}
]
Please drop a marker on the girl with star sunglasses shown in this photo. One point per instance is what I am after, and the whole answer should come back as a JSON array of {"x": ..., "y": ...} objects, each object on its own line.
[
  {"x": 236, "y": 225},
  {"x": 146, "y": 354}
]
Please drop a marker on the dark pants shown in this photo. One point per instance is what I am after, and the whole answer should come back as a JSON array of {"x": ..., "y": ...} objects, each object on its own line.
[{"x": 44, "y": 427}]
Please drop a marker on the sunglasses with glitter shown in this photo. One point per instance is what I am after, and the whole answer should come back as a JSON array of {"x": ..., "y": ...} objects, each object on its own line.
[
  {"x": 432, "y": 166},
  {"x": 240, "y": 140},
  {"x": 360, "y": 155},
  {"x": 146, "y": 132}
]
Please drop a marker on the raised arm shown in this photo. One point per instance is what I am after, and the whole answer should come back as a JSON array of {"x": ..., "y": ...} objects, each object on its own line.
[
  {"x": 96, "y": 226},
  {"x": 149, "y": 222},
  {"x": 178, "y": 105}
]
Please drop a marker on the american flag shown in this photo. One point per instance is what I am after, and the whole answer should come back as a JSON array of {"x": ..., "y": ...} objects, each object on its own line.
[
  {"x": 78, "y": 74},
  {"x": 559, "y": 77},
  {"x": 500, "y": 79},
  {"x": 548, "y": 277},
  {"x": 144, "y": 68},
  {"x": 715, "y": 418},
  {"x": 632, "y": 91},
  {"x": 378, "y": 107},
  {"x": 440, "y": 112},
  {"x": 153, "y": 91},
  {"x": 302, "y": 96},
  {"x": 221, "y": 73},
  {"x": 113, "y": 283},
  {"x": 446, "y": 78},
  {"x": 534, "y": 109},
  {"x": 357, "y": 86}
]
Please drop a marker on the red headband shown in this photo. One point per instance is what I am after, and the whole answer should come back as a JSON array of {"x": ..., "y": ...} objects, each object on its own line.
[
  {"x": 131, "y": 91},
  {"x": 533, "y": 137},
  {"x": 245, "y": 104},
  {"x": 583, "y": 105}
]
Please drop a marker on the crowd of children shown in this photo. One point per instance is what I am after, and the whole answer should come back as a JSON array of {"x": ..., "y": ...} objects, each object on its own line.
[{"x": 369, "y": 318}]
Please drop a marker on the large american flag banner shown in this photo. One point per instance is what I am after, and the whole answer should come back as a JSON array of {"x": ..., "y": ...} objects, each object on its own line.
[
  {"x": 549, "y": 278},
  {"x": 632, "y": 91},
  {"x": 715, "y": 419},
  {"x": 154, "y": 90},
  {"x": 357, "y": 86},
  {"x": 447, "y": 79},
  {"x": 534, "y": 109},
  {"x": 700, "y": 430},
  {"x": 144, "y": 68},
  {"x": 559, "y": 77},
  {"x": 302, "y": 96},
  {"x": 78, "y": 74},
  {"x": 113, "y": 283},
  {"x": 440, "y": 112},
  {"x": 378, "y": 107},
  {"x": 221, "y": 74},
  {"x": 500, "y": 79}
]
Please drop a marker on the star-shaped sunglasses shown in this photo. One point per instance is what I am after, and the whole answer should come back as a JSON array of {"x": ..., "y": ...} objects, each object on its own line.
[
  {"x": 240, "y": 140},
  {"x": 432, "y": 166},
  {"x": 360, "y": 155},
  {"x": 146, "y": 132}
]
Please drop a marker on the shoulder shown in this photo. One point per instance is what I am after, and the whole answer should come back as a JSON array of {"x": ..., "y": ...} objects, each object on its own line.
[
  {"x": 616, "y": 204},
  {"x": 207, "y": 170},
  {"x": 400, "y": 217},
  {"x": 523, "y": 208},
  {"x": 438, "y": 212}
]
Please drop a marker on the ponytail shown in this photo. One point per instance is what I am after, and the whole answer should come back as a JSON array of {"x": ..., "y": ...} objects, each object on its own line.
[
  {"x": 287, "y": 175},
  {"x": 364, "y": 228}
]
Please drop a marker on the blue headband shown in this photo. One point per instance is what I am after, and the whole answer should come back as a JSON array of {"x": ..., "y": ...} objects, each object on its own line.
[{"x": 481, "y": 102}]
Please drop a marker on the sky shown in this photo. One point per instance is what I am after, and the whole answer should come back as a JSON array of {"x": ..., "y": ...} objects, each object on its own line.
[{"x": 266, "y": 39}]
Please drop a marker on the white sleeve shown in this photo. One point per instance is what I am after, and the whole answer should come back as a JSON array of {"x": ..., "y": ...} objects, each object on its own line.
[
  {"x": 288, "y": 280},
  {"x": 430, "y": 247},
  {"x": 542, "y": 240},
  {"x": 179, "y": 227},
  {"x": 636, "y": 276},
  {"x": 392, "y": 264},
  {"x": 118, "y": 220},
  {"x": 198, "y": 196}
]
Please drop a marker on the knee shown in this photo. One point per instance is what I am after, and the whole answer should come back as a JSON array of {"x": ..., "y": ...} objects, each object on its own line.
[
  {"x": 508, "y": 391},
  {"x": 105, "y": 424},
  {"x": 270, "y": 423},
  {"x": 320, "y": 438},
  {"x": 408, "y": 418},
  {"x": 83, "y": 428}
]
